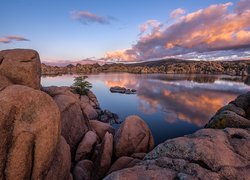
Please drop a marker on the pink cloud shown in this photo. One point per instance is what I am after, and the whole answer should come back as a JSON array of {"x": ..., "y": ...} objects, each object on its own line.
[
  {"x": 10, "y": 39},
  {"x": 177, "y": 13},
  {"x": 154, "y": 25},
  {"x": 87, "y": 18},
  {"x": 17, "y": 38},
  {"x": 242, "y": 6},
  {"x": 5, "y": 40},
  {"x": 211, "y": 29}
]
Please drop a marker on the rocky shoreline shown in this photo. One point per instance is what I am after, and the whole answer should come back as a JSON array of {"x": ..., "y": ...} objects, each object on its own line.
[
  {"x": 53, "y": 133},
  {"x": 169, "y": 66}
]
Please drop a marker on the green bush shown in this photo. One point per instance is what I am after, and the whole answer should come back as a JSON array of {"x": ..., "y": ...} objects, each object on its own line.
[{"x": 81, "y": 86}]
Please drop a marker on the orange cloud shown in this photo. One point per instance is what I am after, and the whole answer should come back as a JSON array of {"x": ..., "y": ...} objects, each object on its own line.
[
  {"x": 121, "y": 55},
  {"x": 211, "y": 29}
]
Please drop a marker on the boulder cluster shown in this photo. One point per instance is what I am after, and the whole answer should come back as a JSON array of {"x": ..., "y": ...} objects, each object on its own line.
[
  {"x": 53, "y": 133},
  {"x": 219, "y": 151}
]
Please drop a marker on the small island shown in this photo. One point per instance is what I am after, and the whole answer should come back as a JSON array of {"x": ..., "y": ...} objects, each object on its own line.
[{"x": 122, "y": 90}]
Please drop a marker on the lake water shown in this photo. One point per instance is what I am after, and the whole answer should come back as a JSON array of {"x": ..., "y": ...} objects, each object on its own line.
[{"x": 171, "y": 105}]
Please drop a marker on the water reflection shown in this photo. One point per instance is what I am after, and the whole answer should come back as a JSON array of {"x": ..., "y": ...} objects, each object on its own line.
[
  {"x": 179, "y": 102},
  {"x": 172, "y": 105}
]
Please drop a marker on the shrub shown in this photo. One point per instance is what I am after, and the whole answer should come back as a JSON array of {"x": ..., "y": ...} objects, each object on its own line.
[{"x": 81, "y": 86}]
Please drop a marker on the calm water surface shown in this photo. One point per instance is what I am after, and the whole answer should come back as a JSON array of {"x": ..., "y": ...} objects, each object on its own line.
[{"x": 171, "y": 105}]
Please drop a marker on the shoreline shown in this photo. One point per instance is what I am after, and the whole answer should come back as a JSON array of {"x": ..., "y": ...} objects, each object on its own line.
[{"x": 239, "y": 68}]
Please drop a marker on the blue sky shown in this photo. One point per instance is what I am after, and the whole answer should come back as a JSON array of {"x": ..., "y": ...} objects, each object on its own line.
[{"x": 50, "y": 27}]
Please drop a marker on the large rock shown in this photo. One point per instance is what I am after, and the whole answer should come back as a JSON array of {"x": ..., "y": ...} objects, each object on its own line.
[
  {"x": 101, "y": 128},
  {"x": 60, "y": 167},
  {"x": 234, "y": 115},
  {"x": 4, "y": 81},
  {"x": 133, "y": 136},
  {"x": 242, "y": 101},
  {"x": 228, "y": 119},
  {"x": 55, "y": 90},
  {"x": 138, "y": 155},
  {"x": 142, "y": 172},
  {"x": 86, "y": 146},
  {"x": 21, "y": 66},
  {"x": 30, "y": 131},
  {"x": 103, "y": 161},
  {"x": 74, "y": 123},
  {"x": 206, "y": 154},
  {"x": 122, "y": 163},
  {"x": 90, "y": 112},
  {"x": 93, "y": 98},
  {"x": 233, "y": 108}
]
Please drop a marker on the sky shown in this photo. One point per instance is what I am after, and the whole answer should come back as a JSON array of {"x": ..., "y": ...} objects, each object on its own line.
[{"x": 127, "y": 31}]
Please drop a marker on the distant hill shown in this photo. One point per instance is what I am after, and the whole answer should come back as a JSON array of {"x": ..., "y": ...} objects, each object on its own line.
[
  {"x": 165, "y": 66},
  {"x": 64, "y": 63}
]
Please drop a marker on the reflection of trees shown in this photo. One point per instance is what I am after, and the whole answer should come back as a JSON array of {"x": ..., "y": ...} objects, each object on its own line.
[
  {"x": 235, "y": 78},
  {"x": 188, "y": 77},
  {"x": 246, "y": 80},
  {"x": 203, "y": 79},
  {"x": 187, "y": 104}
]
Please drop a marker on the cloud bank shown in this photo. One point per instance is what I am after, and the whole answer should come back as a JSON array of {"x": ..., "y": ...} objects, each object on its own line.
[
  {"x": 87, "y": 18},
  {"x": 214, "y": 28},
  {"x": 10, "y": 39}
]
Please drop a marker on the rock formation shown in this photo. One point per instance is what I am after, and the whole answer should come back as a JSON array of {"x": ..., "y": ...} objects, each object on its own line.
[
  {"x": 86, "y": 146},
  {"x": 206, "y": 154},
  {"x": 54, "y": 133},
  {"x": 21, "y": 66},
  {"x": 133, "y": 136},
  {"x": 30, "y": 132},
  {"x": 236, "y": 114},
  {"x": 73, "y": 122}
]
